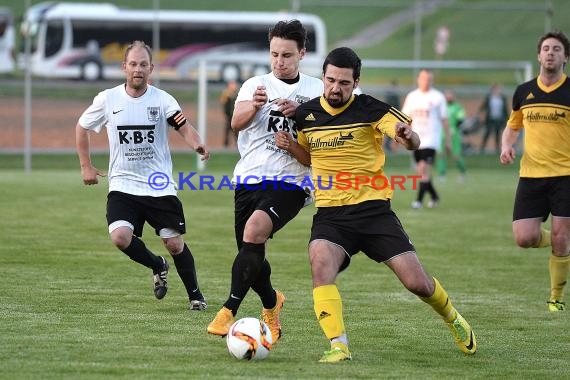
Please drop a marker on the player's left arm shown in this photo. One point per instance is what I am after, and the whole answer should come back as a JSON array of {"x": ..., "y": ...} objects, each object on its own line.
[
  {"x": 406, "y": 137},
  {"x": 189, "y": 133},
  {"x": 398, "y": 125}
]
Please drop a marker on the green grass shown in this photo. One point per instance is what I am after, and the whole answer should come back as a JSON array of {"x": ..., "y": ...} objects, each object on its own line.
[{"x": 73, "y": 306}]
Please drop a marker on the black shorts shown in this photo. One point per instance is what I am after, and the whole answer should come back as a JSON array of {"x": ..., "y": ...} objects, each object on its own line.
[
  {"x": 539, "y": 197},
  {"x": 159, "y": 212},
  {"x": 282, "y": 202},
  {"x": 427, "y": 155},
  {"x": 370, "y": 227}
]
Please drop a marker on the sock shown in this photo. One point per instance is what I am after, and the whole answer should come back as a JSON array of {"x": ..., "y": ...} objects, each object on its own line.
[
  {"x": 328, "y": 309},
  {"x": 461, "y": 165},
  {"x": 262, "y": 286},
  {"x": 340, "y": 342},
  {"x": 441, "y": 303},
  {"x": 186, "y": 269},
  {"x": 138, "y": 252},
  {"x": 544, "y": 238},
  {"x": 441, "y": 166},
  {"x": 559, "y": 266},
  {"x": 245, "y": 271},
  {"x": 431, "y": 190},
  {"x": 422, "y": 191}
]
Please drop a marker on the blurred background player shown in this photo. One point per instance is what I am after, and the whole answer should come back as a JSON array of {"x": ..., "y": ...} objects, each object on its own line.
[
  {"x": 494, "y": 116},
  {"x": 541, "y": 107},
  {"x": 227, "y": 101},
  {"x": 138, "y": 117},
  {"x": 428, "y": 109},
  {"x": 455, "y": 117}
]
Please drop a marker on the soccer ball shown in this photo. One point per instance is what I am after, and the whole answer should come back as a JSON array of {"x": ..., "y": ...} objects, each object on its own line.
[{"x": 249, "y": 339}]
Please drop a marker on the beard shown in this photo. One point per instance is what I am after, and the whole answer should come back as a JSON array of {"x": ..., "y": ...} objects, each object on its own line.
[
  {"x": 137, "y": 83},
  {"x": 335, "y": 100}
]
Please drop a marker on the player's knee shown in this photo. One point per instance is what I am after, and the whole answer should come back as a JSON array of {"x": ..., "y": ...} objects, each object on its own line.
[
  {"x": 121, "y": 240},
  {"x": 174, "y": 246},
  {"x": 255, "y": 236},
  {"x": 257, "y": 231},
  {"x": 526, "y": 240},
  {"x": 526, "y": 236},
  {"x": 560, "y": 241},
  {"x": 420, "y": 287}
]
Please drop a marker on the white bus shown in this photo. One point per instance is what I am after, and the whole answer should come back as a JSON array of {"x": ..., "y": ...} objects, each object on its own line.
[
  {"x": 87, "y": 41},
  {"x": 7, "y": 40}
]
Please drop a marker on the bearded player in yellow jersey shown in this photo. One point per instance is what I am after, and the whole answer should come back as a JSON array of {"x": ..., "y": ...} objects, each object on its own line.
[
  {"x": 542, "y": 107},
  {"x": 340, "y": 132}
]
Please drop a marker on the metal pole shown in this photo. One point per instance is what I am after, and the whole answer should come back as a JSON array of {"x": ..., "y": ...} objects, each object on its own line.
[
  {"x": 156, "y": 43},
  {"x": 27, "y": 100},
  {"x": 548, "y": 16},
  {"x": 202, "y": 108},
  {"x": 418, "y": 32}
]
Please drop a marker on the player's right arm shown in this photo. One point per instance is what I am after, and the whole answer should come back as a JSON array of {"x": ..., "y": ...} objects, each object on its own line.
[
  {"x": 285, "y": 141},
  {"x": 89, "y": 172},
  {"x": 94, "y": 115},
  {"x": 245, "y": 110},
  {"x": 508, "y": 140}
]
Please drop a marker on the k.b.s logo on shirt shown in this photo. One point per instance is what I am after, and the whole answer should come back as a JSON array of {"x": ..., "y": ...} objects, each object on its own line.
[
  {"x": 278, "y": 122},
  {"x": 136, "y": 134}
]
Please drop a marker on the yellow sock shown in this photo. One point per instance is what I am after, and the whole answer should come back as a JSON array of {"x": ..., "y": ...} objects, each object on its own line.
[
  {"x": 441, "y": 303},
  {"x": 328, "y": 309},
  {"x": 559, "y": 266},
  {"x": 544, "y": 238}
]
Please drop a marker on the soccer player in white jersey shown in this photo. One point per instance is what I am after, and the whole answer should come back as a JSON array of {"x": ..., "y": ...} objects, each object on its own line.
[
  {"x": 138, "y": 117},
  {"x": 428, "y": 109},
  {"x": 266, "y": 196}
]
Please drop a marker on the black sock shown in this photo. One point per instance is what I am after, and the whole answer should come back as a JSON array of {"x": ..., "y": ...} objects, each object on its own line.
[
  {"x": 262, "y": 286},
  {"x": 432, "y": 192},
  {"x": 245, "y": 270},
  {"x": 421, "y": 192},
  {"x": 139, "y": 253},
  {"x": 186, "y": 269}
]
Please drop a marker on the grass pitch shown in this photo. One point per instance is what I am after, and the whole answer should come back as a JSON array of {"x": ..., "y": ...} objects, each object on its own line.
[{"x": 73, "y": 306}]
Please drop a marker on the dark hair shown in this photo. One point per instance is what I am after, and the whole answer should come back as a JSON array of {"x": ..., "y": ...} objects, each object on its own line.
[
  {"x": 290, "y": 30},
  {"x": 560, "y": 36},
  {"x": 345, "y": 58},
  {"x": 138, "y": 44}
]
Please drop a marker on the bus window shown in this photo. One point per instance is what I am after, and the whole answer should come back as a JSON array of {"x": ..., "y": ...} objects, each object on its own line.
[
  {"x": 54, "y": 38},
  {"x": 7, "y": 38}
]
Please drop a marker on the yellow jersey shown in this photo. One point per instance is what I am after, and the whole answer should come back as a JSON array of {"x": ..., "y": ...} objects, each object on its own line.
[
  {"x": 345, "y": 145},
  {"x": 544, "y": 113}
]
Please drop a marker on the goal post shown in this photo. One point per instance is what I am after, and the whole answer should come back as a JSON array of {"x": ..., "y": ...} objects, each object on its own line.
[{"x": 525, "y": 66}]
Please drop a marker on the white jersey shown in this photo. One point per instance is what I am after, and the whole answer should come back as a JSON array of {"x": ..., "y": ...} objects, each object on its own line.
[
  {"x": 260, "y": 158},
  {"x": 137, "y": 130},
  {"x": 427, "y": 110}
]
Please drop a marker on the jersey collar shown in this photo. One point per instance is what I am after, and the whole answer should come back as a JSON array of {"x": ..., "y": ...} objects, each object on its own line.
[{"x": 332, "y": 110}]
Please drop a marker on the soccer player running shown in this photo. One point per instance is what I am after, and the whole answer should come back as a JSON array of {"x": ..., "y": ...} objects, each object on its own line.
[
  {"x": 264, "y": 202},
  {"x": 428, "y": 109},
  {"x": 138, "y": 117},
  {"x": 350, "y": 129},
  {"x": 542, "y": 107}
]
